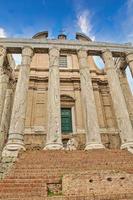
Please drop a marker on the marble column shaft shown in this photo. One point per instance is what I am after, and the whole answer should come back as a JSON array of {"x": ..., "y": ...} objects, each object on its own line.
[
  {"x": 5, "y": 121},
  {"x": 3, "y": 80},
  {"x": 16, "y": 131},
  {"x": 122, "y": 115},
  {"x": 126, "y": 92},
  {"x": 53, "y": 140},
  {"x": 93, "y": 138},
  {"x": 129, "y": 59}
]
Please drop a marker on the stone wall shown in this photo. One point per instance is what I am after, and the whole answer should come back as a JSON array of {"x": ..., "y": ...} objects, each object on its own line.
[
  {"x": 104, "y": 184},
  {"x": 37, "y": 111}
]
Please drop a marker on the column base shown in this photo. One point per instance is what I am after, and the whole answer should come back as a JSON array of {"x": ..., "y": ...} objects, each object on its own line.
[
  {"x": 128, "y": 146},
  {"x": 12, "y": 150},
  {"x": 90, "y": 146},
  {"x": 53, "y": 146}
]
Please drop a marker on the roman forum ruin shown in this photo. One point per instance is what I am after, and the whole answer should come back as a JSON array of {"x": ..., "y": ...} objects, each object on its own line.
[{"x": 59, "y": 99}]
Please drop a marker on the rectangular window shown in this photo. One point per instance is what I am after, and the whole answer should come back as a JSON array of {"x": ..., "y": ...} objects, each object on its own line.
[
  {"x": 66, "y": 120},
  {"x": 63, "y": 61}
]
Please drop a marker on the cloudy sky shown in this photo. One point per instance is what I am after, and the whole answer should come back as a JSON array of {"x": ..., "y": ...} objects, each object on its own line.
[{"x": 102, "y": 20}]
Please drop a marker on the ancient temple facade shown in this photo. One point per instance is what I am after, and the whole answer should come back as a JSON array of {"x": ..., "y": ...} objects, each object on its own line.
[{"x": 58, "y": 97}]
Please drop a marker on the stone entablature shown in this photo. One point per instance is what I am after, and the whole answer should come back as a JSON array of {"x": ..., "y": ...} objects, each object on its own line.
[
  {"x": 101, "y": 98},
  {"x": 42, "y": 45}
]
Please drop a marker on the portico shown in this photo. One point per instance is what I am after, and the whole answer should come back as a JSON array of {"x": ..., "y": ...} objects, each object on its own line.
[{"x": 88, "y": 118}]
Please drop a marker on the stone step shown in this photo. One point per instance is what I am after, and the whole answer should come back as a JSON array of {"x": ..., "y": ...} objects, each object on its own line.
[{"x": 35, "y": 170}]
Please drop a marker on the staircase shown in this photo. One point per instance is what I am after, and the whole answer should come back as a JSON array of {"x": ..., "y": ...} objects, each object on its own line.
[{"x": 41, "y": 175}]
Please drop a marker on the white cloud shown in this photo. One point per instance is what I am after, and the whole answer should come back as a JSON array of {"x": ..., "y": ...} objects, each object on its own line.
[
  {"x": 84, "y": 23},
  {"x": 2, "y": 33}
]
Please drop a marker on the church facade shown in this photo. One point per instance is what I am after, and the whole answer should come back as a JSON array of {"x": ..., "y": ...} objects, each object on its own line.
[{"x": 59, "y": 99}]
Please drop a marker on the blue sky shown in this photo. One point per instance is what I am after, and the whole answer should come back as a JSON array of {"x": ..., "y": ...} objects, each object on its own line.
[{"x": 102, "y": 20}]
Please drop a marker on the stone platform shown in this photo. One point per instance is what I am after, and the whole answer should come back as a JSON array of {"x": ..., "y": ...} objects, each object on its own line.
[{"x": 70, "y": 175}]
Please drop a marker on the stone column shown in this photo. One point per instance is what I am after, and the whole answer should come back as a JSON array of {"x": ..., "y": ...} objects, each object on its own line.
[
  {"x": 122, "y": 115},
  {"x": 53, "y": 140},
  {"x": 129, "y": 59},
  {"x": 3, "y": 80},
  {"x": 16, "y": 131},
  {"x": 126, "y": 92},
  {"x": 5, "y": 121},
  {"x": 93, "y": 138}
]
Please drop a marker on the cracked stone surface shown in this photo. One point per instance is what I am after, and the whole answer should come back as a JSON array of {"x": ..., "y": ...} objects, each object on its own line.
[
  {"x": 93, "y": 138},
  {"x": 54, "y": 120},
  {"x": 16, "y": 131},
  {"x": 122, "y": 115}
]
